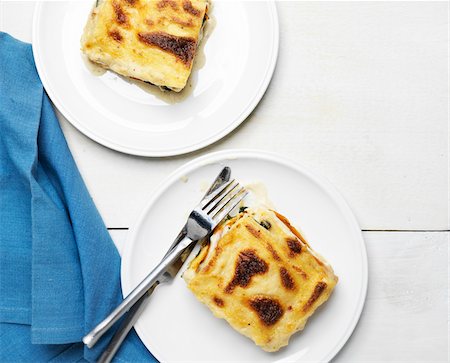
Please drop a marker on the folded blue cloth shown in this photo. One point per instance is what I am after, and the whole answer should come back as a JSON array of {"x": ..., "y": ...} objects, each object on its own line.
[{"x": 59, "y": 269}]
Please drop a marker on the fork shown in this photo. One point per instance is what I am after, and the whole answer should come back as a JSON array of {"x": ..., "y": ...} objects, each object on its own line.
[{"x": 201, "y": 222}]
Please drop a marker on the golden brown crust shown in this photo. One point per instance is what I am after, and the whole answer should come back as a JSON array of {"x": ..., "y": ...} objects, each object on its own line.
[
  {"x": 218, "y": 301},
  {"x": 185, "y": 23},
  {"x": 164, "y": 3},
  {"x": 248, "y": 264},
  {"x": 318, "y": 290},
  {"x": 294, "y": 245},
  {"x": 286, "y": 279},
  {"x": 150, "y": 40},
  {"x": 255, "y": 232},
  {"x": 181, "y": 47},
  {"x": 214, "y": 258},
  {"x": 115, "y": 34},
  {"x": 189, "y": 8},
  {"x": 121, "y": 17},
  {"x": 269, "y": 310},
  {"x": 274, "y": 253},
  {"x": 269, "y": 286},
  {"x": 300, "y": 271}
]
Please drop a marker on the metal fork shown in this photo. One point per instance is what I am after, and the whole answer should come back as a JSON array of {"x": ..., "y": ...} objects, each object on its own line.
[{"x": 201, "y": 222}]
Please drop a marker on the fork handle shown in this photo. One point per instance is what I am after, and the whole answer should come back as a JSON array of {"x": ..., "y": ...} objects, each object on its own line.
[
  {"x": 139, "y": 291},
  {"x": 125, "y": 327}
]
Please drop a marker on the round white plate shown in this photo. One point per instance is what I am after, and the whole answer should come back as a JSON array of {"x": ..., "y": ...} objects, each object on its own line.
[
  {"x": 176, "y": 327},
  {"x": 238, "y": 59}
]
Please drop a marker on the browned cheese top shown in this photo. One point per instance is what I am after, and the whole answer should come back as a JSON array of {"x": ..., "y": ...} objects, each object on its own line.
[{"x": 262, "y": 277}]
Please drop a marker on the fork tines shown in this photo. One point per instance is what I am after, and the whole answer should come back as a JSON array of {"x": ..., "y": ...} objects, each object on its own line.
[{"x": 224, "y": 200}]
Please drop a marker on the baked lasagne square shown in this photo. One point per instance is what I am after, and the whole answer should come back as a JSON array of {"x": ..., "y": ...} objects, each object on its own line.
[
  {"x": 261, "y": 275},
  {"x": 153, "y": 41}
]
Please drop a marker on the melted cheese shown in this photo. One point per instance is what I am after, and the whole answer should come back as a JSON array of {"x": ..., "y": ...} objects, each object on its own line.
[
  {"x": 265, "y": 282},
  {"x": 151, "y": 40},
  {"x": 257, "y": 199}
]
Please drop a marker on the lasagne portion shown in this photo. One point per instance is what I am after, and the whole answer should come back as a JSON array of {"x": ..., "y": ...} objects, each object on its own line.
[
  {"x": 153, "y": 41},
  {"x": 261, "y": 275}
]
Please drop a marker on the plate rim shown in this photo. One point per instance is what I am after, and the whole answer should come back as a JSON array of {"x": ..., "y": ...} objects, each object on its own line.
[
  {"x": 155, "y": 153},
  {"x": 214, "y": 157}
]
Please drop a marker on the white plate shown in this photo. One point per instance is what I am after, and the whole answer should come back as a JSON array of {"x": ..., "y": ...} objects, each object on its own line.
[
  {"x": 239, "y": 60},
  {"x": 176, "y": 327}
]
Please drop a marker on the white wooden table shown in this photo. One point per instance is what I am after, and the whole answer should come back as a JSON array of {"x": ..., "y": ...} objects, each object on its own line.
[{"x": 360, "y": 95}]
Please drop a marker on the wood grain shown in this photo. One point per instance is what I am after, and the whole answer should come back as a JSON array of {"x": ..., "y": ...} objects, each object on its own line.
[
  {"x": 405, "y": 316},
  {"x": 359, "y": 95}
]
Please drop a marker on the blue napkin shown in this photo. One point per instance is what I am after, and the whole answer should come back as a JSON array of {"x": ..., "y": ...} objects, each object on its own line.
[{"x": 59, "y": 269}]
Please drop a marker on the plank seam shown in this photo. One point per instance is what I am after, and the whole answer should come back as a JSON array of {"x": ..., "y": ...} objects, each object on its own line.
[{"x": 405, "y": 230}]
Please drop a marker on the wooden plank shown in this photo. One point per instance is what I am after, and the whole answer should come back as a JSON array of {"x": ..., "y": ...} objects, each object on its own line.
[
  {"x": 359, "y": 95},
  {"x": 405, "y": 315}
]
